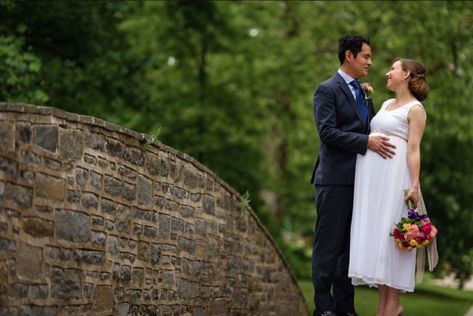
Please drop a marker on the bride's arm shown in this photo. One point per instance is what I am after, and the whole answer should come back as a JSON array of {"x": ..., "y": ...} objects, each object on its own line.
[{"x": 416, "y": 120}]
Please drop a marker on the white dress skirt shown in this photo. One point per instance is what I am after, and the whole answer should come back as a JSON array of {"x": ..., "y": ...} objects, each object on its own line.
[{"x": 379, "y": 204}]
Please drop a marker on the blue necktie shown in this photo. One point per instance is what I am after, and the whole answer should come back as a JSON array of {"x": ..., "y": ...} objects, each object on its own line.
[{"x": 359, "y": 100}]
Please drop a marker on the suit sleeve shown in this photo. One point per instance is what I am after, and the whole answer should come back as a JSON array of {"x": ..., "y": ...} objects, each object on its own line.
[{"x": 326, "y": 120}]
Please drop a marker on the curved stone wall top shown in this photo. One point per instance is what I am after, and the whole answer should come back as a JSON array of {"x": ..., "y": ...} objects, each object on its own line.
[{"x": 95, "y": 219}]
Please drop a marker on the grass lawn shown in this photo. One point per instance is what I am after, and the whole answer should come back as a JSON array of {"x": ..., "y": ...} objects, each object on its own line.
[{"x": 427, "y": 300}]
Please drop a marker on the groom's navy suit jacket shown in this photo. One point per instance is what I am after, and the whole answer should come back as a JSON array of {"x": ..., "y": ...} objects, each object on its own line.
[{"x": 342, "y": 132}]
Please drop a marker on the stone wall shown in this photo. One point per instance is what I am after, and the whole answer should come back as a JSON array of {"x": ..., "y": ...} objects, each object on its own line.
[{"x": 96, "y": 219}]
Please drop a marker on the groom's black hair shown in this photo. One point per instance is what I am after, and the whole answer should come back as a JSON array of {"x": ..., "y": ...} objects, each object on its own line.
[{"x": 353, "y": 43}]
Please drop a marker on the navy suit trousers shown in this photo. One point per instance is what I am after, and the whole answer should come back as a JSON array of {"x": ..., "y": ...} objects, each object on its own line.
[{"x": 331, "y": 249}]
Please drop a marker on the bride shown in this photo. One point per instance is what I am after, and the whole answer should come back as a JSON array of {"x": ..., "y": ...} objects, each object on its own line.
[{"x": 378, "y": 193}]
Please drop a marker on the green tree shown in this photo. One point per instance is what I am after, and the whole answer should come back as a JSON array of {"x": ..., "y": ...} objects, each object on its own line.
[{"x": 231, "y": 84}]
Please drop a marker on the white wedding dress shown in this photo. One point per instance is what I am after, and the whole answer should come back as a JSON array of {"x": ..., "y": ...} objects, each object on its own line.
[{"x": 378, "y": 204}]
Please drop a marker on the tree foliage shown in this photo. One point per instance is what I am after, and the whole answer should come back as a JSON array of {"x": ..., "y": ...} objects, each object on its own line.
[{"x": 231, "y": 83}]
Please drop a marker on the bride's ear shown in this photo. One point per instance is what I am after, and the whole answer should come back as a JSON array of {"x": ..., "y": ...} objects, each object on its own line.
[{"x": 406, "y": 74}]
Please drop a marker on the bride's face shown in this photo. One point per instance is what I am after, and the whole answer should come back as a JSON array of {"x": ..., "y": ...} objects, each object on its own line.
[{"x": 396, "y": 76}]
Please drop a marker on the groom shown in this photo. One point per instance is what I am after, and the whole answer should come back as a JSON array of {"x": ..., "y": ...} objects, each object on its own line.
[{"x": 342, "y": 114}]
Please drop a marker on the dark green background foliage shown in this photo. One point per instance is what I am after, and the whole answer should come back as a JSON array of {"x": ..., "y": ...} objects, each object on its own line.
[{"x": 231, "y": 83}]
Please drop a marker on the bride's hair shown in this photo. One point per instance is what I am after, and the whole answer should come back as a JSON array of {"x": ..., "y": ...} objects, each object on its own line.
[{"x": 417, "y": 85}]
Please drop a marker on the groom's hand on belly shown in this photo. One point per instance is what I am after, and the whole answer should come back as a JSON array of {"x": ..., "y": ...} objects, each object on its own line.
[{"x": 381, "y": 145}]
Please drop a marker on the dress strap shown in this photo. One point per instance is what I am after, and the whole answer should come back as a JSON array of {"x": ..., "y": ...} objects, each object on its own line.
[{"x": 417, "y": 104}]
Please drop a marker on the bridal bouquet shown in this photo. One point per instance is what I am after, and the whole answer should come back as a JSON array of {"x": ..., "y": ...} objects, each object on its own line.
[{"x": 413, "y": 231}]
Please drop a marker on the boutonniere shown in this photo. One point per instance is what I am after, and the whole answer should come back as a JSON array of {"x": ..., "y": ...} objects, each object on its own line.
[{"x": 367, "y": 89}]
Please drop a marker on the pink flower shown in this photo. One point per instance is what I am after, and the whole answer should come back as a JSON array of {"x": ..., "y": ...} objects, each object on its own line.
[
  {"x": 433, "y": 232},
  {"x": 426, "y": 228},
  {"x": 412, "y": 233}
]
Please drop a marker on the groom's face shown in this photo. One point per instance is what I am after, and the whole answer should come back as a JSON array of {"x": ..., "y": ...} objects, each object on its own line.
[{"x": 362, "y": 62}]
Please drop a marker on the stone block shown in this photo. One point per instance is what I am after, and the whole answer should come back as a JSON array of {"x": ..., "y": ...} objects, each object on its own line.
[
  {"x": 65, "y": 284},
  {"x": 164, "y": 226},
  {"x": 133, "y": 295},
  {"x": 144, "y": 190},
  {"x": 187, "y": 245},
  {"x": 195, "y": 197},
  {"x": 186, "y": 211},
  {"x": 122, "y": 273},
  {"x": 134, "y": 156},
  {"x": 180, "y": 193},
  {"x": 51, "y": 252},
  {"x": 29, "y": 261},
  {"x": 137, "y": 229},
  {"x": 23, "y": 132},
  {"x": 39, "y": 291},
  {"x": 104, "y": 276},
  {"x": 90, "y": 200},
  {"x": 8, "y": 311},
  {"x": 71, "y": 145},
  {"x": 123, "y": 309},
  {"x": 72, "y": 226},
  {"x": 113, "y": 248},
  {"x": 91, "y": 257},
  {"x": 155, "y": 253},
  {"x": 168, "y": 277},
  {"x": 8, "y": 167},
  {"x": 190, "y": 179},
  {"x": 110, "y": 207},
  {"x": 18, "y": 290},
  {"x": 152, "y": 164},
  {"x": 112, "y": 186},
  {"x": 96, "y": 141},
  {"x": 138, "y": 276},
  {"x": 177, "y": 225},
  {"x": 29, "y": 158},
  {"x": 20, "y": 195},
  {"x": 208, "y": 204},
  {"x": 82, "y": 175},
  {"x": 96, "y": 180},
  {"x": 150, "y": 231},
  {"x": 104, "y": 298},
  {"x": 73, "y": 196},
  {"x": 127, "y": 256},
  {"x": 115, "y": 148},
  {"x": 49, "y": 187},
  {"x": 27, "y": 177},
  {"x": 171, "y": 206},
  {"x": 33, "y": 310},
  {"x": 163, "y": 167},
  {"x": 123, "y": 221},
  {"x": 98, "y": 238},
  {"x": 160, "y": 201},
  {"x": 7, "y": 136},
  {"x": 143, "y": 251},
  {"x": 145, "y": 215},
  {"x": 52, "y": 164},
  {"x": 90, "y": 159},
  {"x": 127, "y": 172},
  {"x": 38, "y": 227},
  {"x": 46, "y": 137},
  {"x": 129, "y": 191}
]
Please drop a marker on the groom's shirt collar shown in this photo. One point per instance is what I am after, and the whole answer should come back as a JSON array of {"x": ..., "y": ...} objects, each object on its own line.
[
  {"x": 347, "y": 79},
  {"x": 345, "y": 76}
]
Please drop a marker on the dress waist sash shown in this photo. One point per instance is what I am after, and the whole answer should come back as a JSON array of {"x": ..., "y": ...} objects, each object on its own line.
[{"x": 389, "y": 133}]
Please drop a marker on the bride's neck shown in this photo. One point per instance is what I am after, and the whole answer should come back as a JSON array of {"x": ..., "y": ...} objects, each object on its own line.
[{"x": 403, "y": 95}]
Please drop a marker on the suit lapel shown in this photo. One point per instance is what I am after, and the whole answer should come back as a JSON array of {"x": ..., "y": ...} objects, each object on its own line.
[
  {"x": 346, "y": 90},
  {"x": 371, "y": 114}
]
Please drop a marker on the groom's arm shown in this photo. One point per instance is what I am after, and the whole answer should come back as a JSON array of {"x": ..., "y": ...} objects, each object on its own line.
[{"x": 326, "y": 120}]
